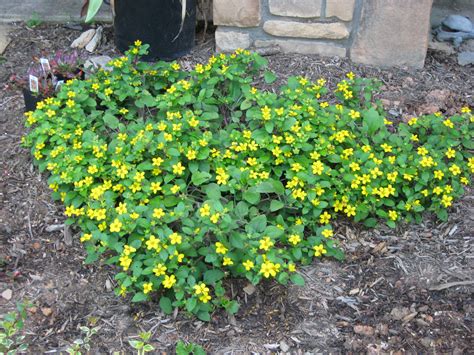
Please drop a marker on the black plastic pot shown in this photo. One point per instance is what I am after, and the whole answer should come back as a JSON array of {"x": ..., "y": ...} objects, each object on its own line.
[
  {"x": 31, "y": 100},
  {"x": 155, "y": 22}
]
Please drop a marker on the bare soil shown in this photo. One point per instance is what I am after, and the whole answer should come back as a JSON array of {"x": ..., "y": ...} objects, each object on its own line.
[{"x": 407, "y": 290}]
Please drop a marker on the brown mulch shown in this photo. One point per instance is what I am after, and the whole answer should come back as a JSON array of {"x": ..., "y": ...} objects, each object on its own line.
[{"x": 403, "y": 290}]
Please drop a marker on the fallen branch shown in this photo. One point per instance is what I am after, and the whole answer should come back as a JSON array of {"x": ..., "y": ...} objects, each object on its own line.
[{"x": 451, "y": 284}]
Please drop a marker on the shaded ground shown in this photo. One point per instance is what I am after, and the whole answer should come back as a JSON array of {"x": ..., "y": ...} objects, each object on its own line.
[{"x": 404, "y": 290}]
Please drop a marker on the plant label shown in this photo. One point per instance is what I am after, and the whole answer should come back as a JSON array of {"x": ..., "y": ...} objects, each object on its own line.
[
  {"x": 45, "y": 65},
  {"x": 34, "y": 86},
  {"x": 58, "y": 85}
]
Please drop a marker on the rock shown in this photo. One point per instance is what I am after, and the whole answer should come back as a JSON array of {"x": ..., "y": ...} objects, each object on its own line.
[
  {"x": 467, "y": 46},
  {"x": 334, "y": 30},
  {"x": 302, "y": 47},
  {"x": 284, "y": 347},
  {"x": 4, "y": 38},
  {"x": 249, "y": 289},
  {"x": 398, "y": 313},
  {"x": 7, "y": 294},
  {"x": 243, "y": 13},
  {"x": 46, "y": 311},
  {"x": 392, "y": 35},
  {"x": 343, "y": 9},
  {"x": 366, "y": 330},
  {"x": 458, "y": 23},
  {"x": 84, "y": 39},
  {"x": 441, "y": 47},
  {"x": 426, "y": 342},
  {"x": 95, "y": 41},
  {"x": 97, "y": 62},
  {"x": 228, "y": 41},
  {"x": 296, "y": 8},
  {"x": 465, "y": 58},
  {"x": 54, "y": 228}
]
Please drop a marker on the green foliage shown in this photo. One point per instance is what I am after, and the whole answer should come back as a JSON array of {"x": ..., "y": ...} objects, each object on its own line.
[
  {"x": 187, "y": 349},
  {"x": 84, "y": 342},
  {"x": 11, "y": 325},
  {"x": 142, "y": 345},
  {"x": 183, "y": 179},
  {"x": 34, "y": 20}
]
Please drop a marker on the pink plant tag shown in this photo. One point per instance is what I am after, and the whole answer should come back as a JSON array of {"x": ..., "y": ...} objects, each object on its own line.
[{"x": 34, "y": 86}]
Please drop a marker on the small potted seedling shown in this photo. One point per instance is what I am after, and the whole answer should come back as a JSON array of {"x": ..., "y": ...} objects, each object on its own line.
[{"x": 44, "y": 77}]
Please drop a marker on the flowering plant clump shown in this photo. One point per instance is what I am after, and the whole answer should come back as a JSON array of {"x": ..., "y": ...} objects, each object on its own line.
[{"x": 185, "y": 178}]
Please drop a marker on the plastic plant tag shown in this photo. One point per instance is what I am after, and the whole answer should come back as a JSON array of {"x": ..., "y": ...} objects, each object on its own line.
[
  {"x": 58, "y": 85},
  {"x": 34, "y": 86},
  {"x": 45, "y": 65}
]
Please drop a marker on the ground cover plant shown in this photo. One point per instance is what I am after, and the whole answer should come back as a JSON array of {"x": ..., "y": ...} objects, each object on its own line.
[{"x": 183, "y": 178}]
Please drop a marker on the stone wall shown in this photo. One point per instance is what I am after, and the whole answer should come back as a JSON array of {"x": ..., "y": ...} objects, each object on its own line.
[{"x": 381, "y": 32}]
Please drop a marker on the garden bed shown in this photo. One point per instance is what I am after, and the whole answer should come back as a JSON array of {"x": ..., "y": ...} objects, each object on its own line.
[{"x": 403, "y": 289}]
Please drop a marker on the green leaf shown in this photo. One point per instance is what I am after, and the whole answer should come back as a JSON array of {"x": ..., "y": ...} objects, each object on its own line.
[
  {"x": 204, "y": 316},
  {"x": 212, "y": 276},
  {"x": 370, "y": 222},
  {"x": 200, "y": 177},
  {"x": 251, "y": 196},
  {"x": 259, "y": 223},
  {"x": 111, "y": 121},
  {"x": 139, "y": 297},
  {"x": 213, "y": 191},
  {"x": 242, "y": 209},
  {"x": 276, "y": 205},
  {"x": 237, "y": 240},
  {"x": 92, "y": 9},
  {"x": 271, "y": 186},
  {"x": 269, "y": 77},
  {"x": 372, "y": 120},
  {"x": 191, "y": 304},
  {"x": 297, "y": 279},
  {"x": 165, "y": 305}
]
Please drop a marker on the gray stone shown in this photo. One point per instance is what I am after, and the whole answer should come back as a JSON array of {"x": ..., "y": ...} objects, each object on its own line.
[
  {"x": 441, "y": 46},
  {"x": 343, "y": 9},
  {"x": 95, "y": 41},
  {"x": 296, "y": 8},
  {"x": 392, "y": 35},
  {"x": 4, "y": 38},
  {"x": 84, "y": 39},
  {"x": 466, "y": 58},
  {"x": 228, "y": 41},
  {"x": 97, "y": 62},
  {"x": 304, "y": 47},
  {"x": 334, "y": 30},
  {"x": 240, "y": 13},
  {"x": 458, "y": 23}
]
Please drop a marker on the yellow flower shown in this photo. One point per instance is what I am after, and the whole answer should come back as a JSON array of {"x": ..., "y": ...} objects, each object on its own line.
[
  {"x": 121, "y": 208},
  {"x": 220, "y": 248},
  {"x": 448, "y": 123},
  {"x": 191, "y": 154},
  {"x": 319, "y": 250},
  {"x": 115, "y": 226},
  {"x": 350, "y": 75},
  {"x": 438, "y": 174},
  {"x": 85, "y": 237},
  {"x": 268, "y": 269},
  {"x": 175, "y": 238},
  {"x": 265, "y": 243},
  {"x": 201, "y": 289},
  {"x": 296, "y": 167},
  {"x": 147, "y": 287},
  {"x": 393, "y": 215},
  {"x": 227, "y": 261},
  {"x": 327, "y": 233},
  {"x": 354, "y": 114},
  {"x": 248, "y": 265},
  {"x": 205, "y": 210},
  {"x": 324, "y": 218},
  {"x": 178, "y": 169},
  {"x": 412, "y": 121},
  {"x": 455, "y": 170},
  {"x": 450, "y": 153},
  {"x": 215, "y": 218},
  {"x": 169, "y": 281},
  {"x": 465, "y": 109},
  {"x": 158, "y": 213},
  {"x": 318, "y": 167},
  {"x": 153, "y": 243},
  {"x": 294, "y": 239},
  {"x": 175, "y": 188},
  {"x": 446, "y": 200},
  {"x": 386, "y": 147},
  {"x": 159, "y": 270},
  {"x": 350, "y": 211},
  {"x": 155, "y": 187}
]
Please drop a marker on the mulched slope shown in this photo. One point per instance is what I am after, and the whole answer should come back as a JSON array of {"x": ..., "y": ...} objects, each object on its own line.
[{"x": 403, "y": 290}]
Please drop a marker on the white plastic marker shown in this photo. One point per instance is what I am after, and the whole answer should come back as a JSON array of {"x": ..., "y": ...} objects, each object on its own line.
[
  {"x": 58, "y": 85},
  {"x": 34, "y": 86},
  {"x": 45, "y": 65}
]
